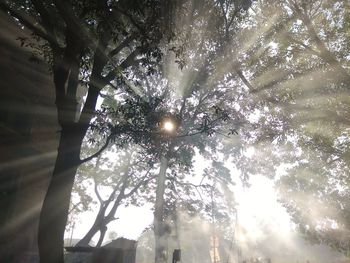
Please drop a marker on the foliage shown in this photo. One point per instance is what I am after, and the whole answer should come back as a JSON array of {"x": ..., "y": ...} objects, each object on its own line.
[{"x": 298, "y": 132}]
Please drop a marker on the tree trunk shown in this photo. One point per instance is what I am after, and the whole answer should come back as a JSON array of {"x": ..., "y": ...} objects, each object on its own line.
[
  {"x": 103, "y": 231},
  {"x": 55, "y": 208},
  {"x": 97, "y": 226},
  {"x": 102, "y": 220},
  {"x": 159, "y": 227},
  {"x": 54, "y": 212}
]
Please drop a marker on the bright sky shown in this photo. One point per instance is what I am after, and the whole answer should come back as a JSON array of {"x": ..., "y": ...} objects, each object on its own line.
[
  {"x": 263, "y": 223},
  {"x": 258, "y": 203}
]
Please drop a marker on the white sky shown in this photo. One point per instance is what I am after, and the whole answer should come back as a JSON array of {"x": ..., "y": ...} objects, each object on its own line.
[
  {"x": 257, "y": 204},
  {"x": 263, "y": 223}
]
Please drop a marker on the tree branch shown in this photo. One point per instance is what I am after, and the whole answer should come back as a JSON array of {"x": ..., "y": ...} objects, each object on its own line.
[
  {"x": 122, "y": 45},
  {"x": 73, "y": 22},
  {"x": 97, "y": 193},
  {"x": 45, "y": 17},
  {"x": 30, "y": 24},
  {"x": 98, "y": 152},
  {"x": 140, "y": 184},
  {"x": 325, "y": 54},
  {"x": 129, "y": 61},
  {"x": 244, "y": 79},
  {"x": 189, "y": 184},
  {"x": 74, "y": 207}
]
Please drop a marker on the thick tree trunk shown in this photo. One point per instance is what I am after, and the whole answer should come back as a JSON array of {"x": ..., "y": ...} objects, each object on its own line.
[
  {"x": 159, "y": 227},
  {"x": 55, "y": 208}
]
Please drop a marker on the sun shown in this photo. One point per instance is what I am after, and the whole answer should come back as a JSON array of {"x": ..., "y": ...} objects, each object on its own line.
[{"x": 168, "y": 126}]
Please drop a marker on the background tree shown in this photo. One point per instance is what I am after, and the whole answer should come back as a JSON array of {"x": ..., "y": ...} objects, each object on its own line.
[
  {"x": 297, "y": 112},
  {"x": 128, "y": 181}
]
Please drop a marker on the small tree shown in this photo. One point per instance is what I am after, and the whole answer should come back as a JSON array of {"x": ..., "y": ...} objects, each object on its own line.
[{"x": 129, "y": 175}]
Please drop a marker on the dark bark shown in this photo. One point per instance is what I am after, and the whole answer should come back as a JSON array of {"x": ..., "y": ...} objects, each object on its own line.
[
  {"x": 102, "y": 236},
  {"x": 66, "y": 66},
  {"x": 102, "y": 220},
  {"x": 55, "y": 208},
  {"x": 159, "y": 225},
  {"x": 90, "y": 234},
  {"x": 100, "y": 224}
]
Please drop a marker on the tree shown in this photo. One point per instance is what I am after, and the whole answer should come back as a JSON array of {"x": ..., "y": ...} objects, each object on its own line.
[
  {"x": 319, "y": 182},
  {"x": 130, "y": 174},
  {"x": 88, "y": 43},
  {"x": 195, "y": 116},
  {"x": 206, "y": 125},
  {"x": 300, "y": 80}
]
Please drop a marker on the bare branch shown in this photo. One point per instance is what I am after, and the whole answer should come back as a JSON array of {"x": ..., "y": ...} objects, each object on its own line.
[
  {"x": 244, "y": 79},
  {"x": 97, "y": 192},
  {"x": 195, "y": 186}
]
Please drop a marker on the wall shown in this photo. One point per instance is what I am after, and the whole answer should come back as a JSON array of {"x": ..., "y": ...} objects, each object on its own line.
[{"x": 28, "y": 142}]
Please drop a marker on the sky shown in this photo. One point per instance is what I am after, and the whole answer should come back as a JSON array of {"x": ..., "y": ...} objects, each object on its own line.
[
  {"x": 264, "y": 224},
  {"x": 256, "y": 203}
]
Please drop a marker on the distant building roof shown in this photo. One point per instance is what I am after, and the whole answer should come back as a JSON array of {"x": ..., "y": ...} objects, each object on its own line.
[{"x": 122, "y": 243}]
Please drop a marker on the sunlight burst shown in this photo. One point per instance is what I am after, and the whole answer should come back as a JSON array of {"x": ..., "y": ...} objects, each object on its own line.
[{"x": 168, "y": 126}]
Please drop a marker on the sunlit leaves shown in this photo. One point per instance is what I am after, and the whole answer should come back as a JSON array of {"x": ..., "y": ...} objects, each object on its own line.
[{"x": 300, "y": 112}]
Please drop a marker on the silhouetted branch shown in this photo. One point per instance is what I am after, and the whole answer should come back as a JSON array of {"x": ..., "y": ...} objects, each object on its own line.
[
  {"x": 121, "y": 46},
  {"x": 74, "y": 207},
  {"x": 98, "y": 152},
  {"x": 140, "y": 184}
]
